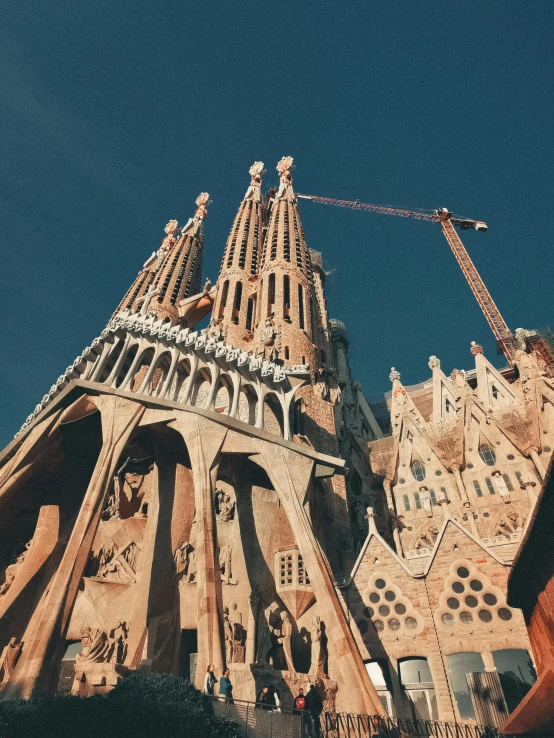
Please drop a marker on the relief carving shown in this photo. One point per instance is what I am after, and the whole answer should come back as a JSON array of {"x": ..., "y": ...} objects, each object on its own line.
[
  {"x": 225, "y": 565},
  {"x": 234, "y": 635},
  {"x": 11, "y": 571},
  {"x": 319, "y": 652},
  {"x": 224, "y": 506},
  {"x": 8, "y": 660},
  {"x": 185, "y": 563}
]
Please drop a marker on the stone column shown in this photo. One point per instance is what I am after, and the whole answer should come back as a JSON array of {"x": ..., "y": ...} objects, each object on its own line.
[
  {"x": 537, "y": 462},
  {"x": 290, "y": 475},
  {"x": 204, "y": 439},
  {"x": 45, "y": 634},
  {"x": 459, "y": 482},
  {"x": 252, "y": 621}
]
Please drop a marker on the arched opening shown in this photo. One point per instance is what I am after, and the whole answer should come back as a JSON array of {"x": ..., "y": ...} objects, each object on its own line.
[
  {"x": 141, "y": 369},
  {"x": 273, "y": 415},
  {"x": 129, "y": 358},
  {"x": 249, "y": 313},
  {"x": 223, "y": 301},
  {"x": 201, "y": 388},
  {"x": 247, "y": 405},
  {"x": 179, "y": 383},
  {"x": 160, "y": 374},
  {"x": 460, "y": 664},
  {"x": 301, "y": 321},
  {"x": 224, "y": 396},
  {"x": 271, "y": 295},
  {"x": 417, "y": 682},
  {"x": 113, "y": 357},
  {"x": 286, "y": 298},
  {"x": 237, "y": 303}
]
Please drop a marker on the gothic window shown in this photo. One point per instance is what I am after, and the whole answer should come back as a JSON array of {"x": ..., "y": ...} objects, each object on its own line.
[
  {"x": 490, "y": 486},
  {"x": 380, "y": 677},
  {"x": 271, "y": 294},
  {"x": 323, "y": 357},
  {"x": 433, "y": 496},
  {"x": 448, "y": 406},
  {"x": 244, "y": 243},
  {"x": 517, "y": 674},
  {"x": 223, "y": 303},
  {"x": 406, "y": 503},
  {"x": 286, "y": 297},
  {"x": 487, "y": 454},
  {"x": 301, "y": 306},
  {"x": 478, "y": 488},
  {"x": 287, "y": 353},
  {"x": 254, "y": 263},
  {"x": 418, "y": 470},
  {"x": 417, "y": 501},
  {"x": 494, "y": 392},
  {"x": 238, "y": 301},
  {"x": 508, "y": 481},
  {"x": 519, "y": 479},
  {"x": 286, "y": 237},
  {"x": 249, "y": 313}
]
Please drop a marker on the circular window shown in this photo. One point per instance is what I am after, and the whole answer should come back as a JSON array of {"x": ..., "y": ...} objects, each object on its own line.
[
  {"x": 547, "y": 449},
  {"x": 394, "y": 624},
  {"x": 379, "y": 626},
  {"x": 374, "y": 597},
  {"x": 470, "y": 466},
  {"x": 490, "y": 599},
  {"x": 463, "y": 572},
  {"x": 476, "y": 585},
  {"x": 384, "y": 611},
  {"x": 390, "y": 596},
  {"x": 466, "y": 617},
  {"x": 511, "y": 457},
  {"x": 487, "y": 454},
  {"x": 448, "y": 619},
  {"x": 471, "y": 601},
  {"x": 362, "y": 627},
  {"x": 400, "y": 609},
  {"x": 453, "y": 603},
  {"x": 418, "y": 470},
  {"x": 380, "y": 584},
  {"x": 368, "y": 612},
  {"x": 458, "y": 587},
  {"x": 504, "y": 614},
  {"x": 401, "y": 481},
  {"x": 411, "y": 623},
  {"x": 485, "y": 616},
  {"x": 438, "y": 473}
]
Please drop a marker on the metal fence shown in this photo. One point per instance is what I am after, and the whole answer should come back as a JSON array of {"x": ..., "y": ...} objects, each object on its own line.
[{"x": 257, "y": 722}]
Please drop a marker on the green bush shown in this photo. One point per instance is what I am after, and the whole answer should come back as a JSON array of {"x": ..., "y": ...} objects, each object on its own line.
[{"x": 142, "y": 706}]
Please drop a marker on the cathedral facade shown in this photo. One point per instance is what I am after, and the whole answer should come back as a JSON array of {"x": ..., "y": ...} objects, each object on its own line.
[{"x": 225, "y": 496}]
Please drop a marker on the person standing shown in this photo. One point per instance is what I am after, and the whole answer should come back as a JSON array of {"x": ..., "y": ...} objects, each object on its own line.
[
  {"x": 300, "y": 701},
  {"x": 225, "y": 686},
  {"x": 265, "y": 699},
  {"x": 210, "y": 680},
  {"x": 314, "y": 706}
]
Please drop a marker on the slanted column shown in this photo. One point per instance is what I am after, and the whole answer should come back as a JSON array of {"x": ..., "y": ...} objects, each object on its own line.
[
  {"x": 45, "y": 635},
  {"x": 191, "y": 379},
  {"x": 538, "y": 463},
  {"x": 204, "y": 439},
  {"x": 170, "y": 374},
  {"x": 254, "y": 601}
]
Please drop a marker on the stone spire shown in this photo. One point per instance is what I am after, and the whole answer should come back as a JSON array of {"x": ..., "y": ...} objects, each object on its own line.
[
  {"x": 286, "y": 299},
  {"x": 173, "y": 272},
  {"x": 235, "y": 304}
]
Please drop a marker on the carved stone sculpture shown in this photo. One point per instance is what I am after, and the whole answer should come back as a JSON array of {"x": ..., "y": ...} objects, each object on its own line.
[
  {"x": 224, "y": 506},
  {"x": 8, "y": 660},
  {"x": 286, "y": 639},
  {"x": 10, "y": 576},
  {"x": 234, "y": 635},
  {"x": 225, "y": 565},
  {"x": 319, "y": 655},
  {"x": 426, "y": 501},
  {"x": 501, "y": 486},
  {"x": 265, "y": 632},
  {"x": 185, "y": 562}
]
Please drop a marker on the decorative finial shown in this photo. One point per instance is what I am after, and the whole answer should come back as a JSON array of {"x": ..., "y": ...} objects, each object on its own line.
[
  {"x": 476, "y": 349},
  {"x": 284, "y": 167},
  {"x": 394, "y": 374},
  {"x": 202, "y": 201},
  {"x": 171, "y": 227},
  {"x": 434, "y": 363},
  {"x": 256, "y": 171},
  {"x": 169, "y": 240}
]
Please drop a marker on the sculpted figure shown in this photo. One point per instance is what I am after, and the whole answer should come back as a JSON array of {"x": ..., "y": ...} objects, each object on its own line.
[
  {"x": 265, "y": 631},
  {"x": 10, "y": 576},
  {"x": 8, "y": 660},
  {"x": 426, "y": 500},
  {"x": 501, "y": 486},
  {"x": 185, "y": 562},
  {"x": 317, "y": 668},
  {"x": 225, "y": 557},
  {"x": 224, "y": 506},
  {"x": 286, "y": 639},
  {"x": 228, "y": 635},
  {"x": 96, "y": 645}
]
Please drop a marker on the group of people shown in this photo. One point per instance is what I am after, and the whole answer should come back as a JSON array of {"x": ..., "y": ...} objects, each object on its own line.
[{"x": 309, "y": 704}]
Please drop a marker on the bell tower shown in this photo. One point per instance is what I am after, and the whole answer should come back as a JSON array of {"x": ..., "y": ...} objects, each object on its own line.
[
  {"x": 173, "y": 272},
  {"x": 235, "y": 303}
]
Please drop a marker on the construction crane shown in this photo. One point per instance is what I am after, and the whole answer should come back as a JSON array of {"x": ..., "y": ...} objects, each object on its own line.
[{"x": 506, "y": 342}]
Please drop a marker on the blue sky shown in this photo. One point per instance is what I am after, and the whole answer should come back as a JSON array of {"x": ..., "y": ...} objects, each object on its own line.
[{"x": 114, "y": 116}]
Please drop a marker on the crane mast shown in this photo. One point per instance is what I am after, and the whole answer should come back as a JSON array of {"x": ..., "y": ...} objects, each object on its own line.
[{"x": 506, "y": 342}]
